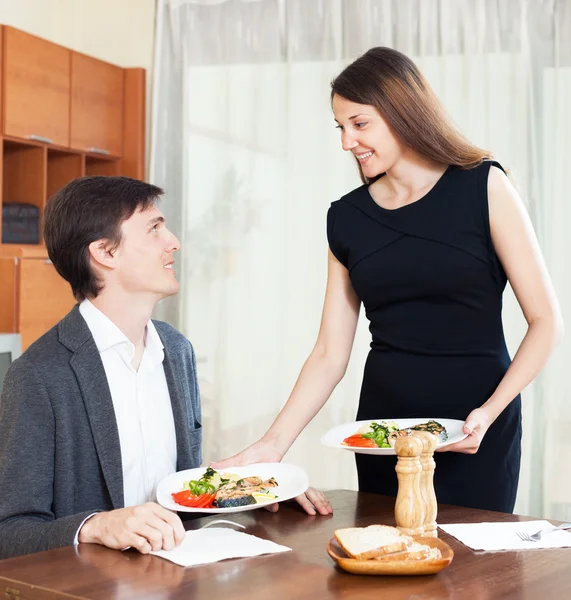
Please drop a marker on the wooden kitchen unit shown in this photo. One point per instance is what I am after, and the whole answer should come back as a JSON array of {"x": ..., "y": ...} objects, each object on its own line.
[{"x": 64, "y": 115}]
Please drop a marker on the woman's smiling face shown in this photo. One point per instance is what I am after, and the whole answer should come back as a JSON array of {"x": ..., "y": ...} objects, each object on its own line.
[{"x": 365, "y": 133}]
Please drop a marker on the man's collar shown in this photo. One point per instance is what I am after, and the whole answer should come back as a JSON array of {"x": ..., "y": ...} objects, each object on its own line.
[
  {"x": 73, "y": 332},
  {"x": 105, "y": 333}
]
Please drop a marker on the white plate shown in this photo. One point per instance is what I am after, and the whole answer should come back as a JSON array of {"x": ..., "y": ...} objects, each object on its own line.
[
  {"x": 292, "y": 481},
  {"x": 335, "y": 436}
]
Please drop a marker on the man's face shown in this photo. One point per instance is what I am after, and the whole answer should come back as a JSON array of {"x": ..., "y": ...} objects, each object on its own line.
[{"x": 145, "y": 257}]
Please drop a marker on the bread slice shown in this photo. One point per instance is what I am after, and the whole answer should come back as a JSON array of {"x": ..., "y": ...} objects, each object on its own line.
[
  {"x": 415, "y": 551},
  {"x": 364, "y": 543},
  {"x": 435, "y": 554}
]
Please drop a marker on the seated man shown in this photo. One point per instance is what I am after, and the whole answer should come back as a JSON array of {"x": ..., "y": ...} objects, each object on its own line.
[{"x": 104, "y": 405}]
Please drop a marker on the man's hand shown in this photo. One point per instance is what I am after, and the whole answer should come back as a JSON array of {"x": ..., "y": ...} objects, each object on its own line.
[
  {"x": 476, "y": 425},
  {"x": 145, "y": 527}
]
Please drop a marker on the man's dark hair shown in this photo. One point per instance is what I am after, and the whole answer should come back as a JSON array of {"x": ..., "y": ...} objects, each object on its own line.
[{"x": 84, "y": 211}]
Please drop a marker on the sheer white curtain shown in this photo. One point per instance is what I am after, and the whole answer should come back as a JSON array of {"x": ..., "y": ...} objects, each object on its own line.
[{"x": 243, "y": 141}]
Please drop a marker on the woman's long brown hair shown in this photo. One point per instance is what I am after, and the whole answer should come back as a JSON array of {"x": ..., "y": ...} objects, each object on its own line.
[{"x": 391, "y": 82}]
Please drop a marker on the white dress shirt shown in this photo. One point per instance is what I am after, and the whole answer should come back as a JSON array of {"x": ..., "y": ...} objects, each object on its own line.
[{"x": 142, "y": 405}]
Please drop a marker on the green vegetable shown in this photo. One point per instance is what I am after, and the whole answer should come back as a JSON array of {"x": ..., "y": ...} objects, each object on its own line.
[
  {"x": 199, "y": 487},
  {"x": 212, "y": 477},
  {"x": 380, "y": 433}
]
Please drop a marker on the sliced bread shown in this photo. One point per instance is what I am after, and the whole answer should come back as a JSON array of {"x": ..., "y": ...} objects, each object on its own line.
[
  {"x": 369, "y": 542},
  {"x": 414, "y": 551}
]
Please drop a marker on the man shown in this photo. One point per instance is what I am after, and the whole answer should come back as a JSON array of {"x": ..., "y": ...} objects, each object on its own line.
[{"x": 104, "y": 405}]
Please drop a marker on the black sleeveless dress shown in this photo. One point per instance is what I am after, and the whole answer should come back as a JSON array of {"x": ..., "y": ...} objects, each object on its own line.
[{"x": 431, "y": 285}]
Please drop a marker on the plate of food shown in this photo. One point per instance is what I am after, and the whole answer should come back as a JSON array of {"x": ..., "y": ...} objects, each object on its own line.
[
  {"x": 384, "y": 550},
  {"x": 233, "y": 489},
  {"x": 378, "y": 436}
]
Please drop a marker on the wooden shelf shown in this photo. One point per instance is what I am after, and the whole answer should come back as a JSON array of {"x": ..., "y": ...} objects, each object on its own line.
[
  {"x": 63, "y": 167},
  {"x": 39, "y": 144},
  {"x": 24, "y": 175},
  {"x": 23, "y": 251},
  {"x": 95, "y": 165}
]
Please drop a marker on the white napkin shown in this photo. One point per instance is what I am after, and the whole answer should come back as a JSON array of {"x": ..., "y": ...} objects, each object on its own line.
[
  {"x": 502, "y": 536},
  {"x": 204, "y": 546}
]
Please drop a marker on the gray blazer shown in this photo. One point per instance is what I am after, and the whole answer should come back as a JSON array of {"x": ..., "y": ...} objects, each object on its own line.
[{"x": 60, "y": 457}]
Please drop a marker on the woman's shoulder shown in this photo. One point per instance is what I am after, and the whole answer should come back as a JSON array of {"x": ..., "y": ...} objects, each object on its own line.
[
  {"x": 354, "y": 197},
  {"x": 482, "y": 169}
]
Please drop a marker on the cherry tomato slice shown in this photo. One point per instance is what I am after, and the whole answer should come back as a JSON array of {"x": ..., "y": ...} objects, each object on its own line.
[
  {"x": 185, "y": 498},
  {"x": 359, "y": 441},
  {"x": 181, "y": 496},
  {"x": 205, "y": 500}
]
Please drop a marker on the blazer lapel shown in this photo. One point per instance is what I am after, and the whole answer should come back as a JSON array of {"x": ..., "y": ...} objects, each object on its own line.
[
  {"x": 88, "y": 368},
  {"x": 179, "y": 410}
]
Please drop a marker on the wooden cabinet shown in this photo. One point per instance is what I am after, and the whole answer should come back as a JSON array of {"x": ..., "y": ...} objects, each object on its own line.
[
  {"x": 33, "y": 310},
  {"x": 97, "y": 90},
  {"x": 24, "y": 177},
  {"x": 8, "y": 299},
  {"x": 36, "y": 83},
  {"x": 64, "y": 115},
  {"x": 133, "y": 162},
  {"x": 38, "y": 311}
]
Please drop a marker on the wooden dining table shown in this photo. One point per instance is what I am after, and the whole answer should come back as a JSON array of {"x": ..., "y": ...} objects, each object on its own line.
[{"x": 97, "y": 573}]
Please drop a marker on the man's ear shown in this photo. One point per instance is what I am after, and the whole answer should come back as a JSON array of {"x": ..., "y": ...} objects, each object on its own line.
[{"x": 103, "y": 254}]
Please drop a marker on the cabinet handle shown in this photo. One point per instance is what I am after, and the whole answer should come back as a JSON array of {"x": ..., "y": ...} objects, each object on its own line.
[
  {"x": 98, "y": 150},
  {"x": 40, "y": 138}
]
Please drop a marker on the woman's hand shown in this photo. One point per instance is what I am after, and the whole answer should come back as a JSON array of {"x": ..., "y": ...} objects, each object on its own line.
[
  {"x": 476, "y": 425},
  {"x": 313, "y": 501},
  {"x": 256, "y": 453}
]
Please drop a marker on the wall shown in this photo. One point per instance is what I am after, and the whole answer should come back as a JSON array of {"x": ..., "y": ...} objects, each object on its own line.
[{"x": 117, "y": 31}]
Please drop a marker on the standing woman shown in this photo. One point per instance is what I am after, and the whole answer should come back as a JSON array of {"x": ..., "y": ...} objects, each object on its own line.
[{"x": 427, "y": 244}]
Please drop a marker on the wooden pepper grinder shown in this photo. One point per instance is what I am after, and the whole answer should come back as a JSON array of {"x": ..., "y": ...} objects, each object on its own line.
[
  {"x": 429, "y": 442},
  {"x": 409, "y": 507}
]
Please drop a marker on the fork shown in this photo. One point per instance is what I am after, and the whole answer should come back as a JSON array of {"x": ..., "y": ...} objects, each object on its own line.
[{"x": 535, "y": 537}]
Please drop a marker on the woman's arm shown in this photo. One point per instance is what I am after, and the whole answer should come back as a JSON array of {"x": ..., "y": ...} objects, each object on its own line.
[
  {"x": 517, "y": 248},
  {"x": 322, "y": 371},
  {"x": 327, "y": 363}
]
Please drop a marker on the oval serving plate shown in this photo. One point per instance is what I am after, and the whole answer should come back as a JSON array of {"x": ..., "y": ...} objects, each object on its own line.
[
  {"x": 395, "y": 567},
  {"x": 335, "y": 436},
  {"x": 292, "y": 481}
]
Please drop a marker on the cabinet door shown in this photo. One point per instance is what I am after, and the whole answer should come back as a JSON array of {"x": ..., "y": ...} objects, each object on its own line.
[
  {"x": 36, "y": 88},
  {"x": 96, "y": 105},
  {"x": 44, "y": 298},
  {"x": 8, "y": 295}
]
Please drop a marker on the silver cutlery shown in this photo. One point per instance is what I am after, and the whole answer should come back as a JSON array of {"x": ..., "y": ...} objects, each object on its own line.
[{"x": 535, "y": 537}]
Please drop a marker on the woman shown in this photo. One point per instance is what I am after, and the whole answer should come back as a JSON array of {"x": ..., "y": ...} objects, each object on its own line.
[{"x": 427, "y": 244}]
